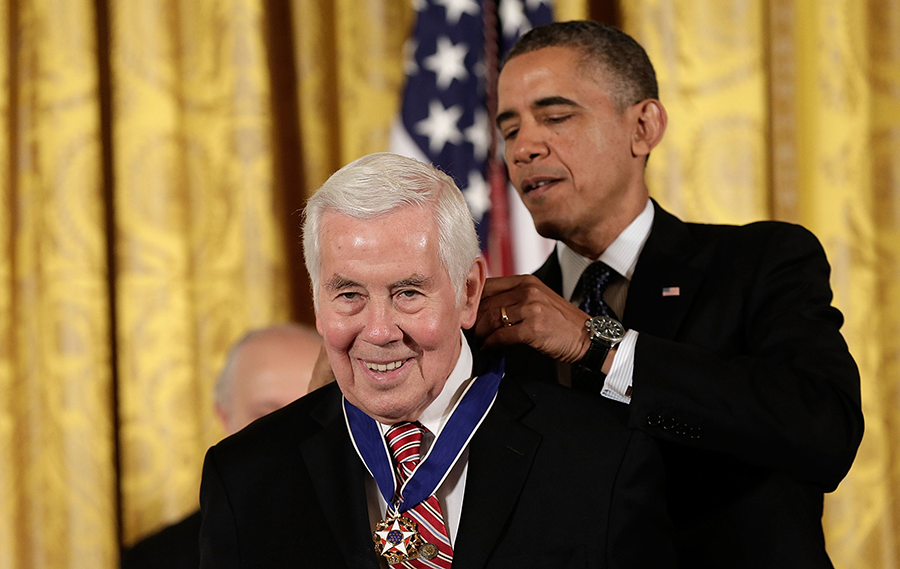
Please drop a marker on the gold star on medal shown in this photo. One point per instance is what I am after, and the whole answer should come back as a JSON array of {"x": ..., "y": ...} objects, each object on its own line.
[{"x": 395, "y": 537}]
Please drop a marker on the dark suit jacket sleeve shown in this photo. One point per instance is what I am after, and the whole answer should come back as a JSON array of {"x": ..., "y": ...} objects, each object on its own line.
[
  {"x": 219, "y": 544},
  {"x": 640, "y": 530},
  {"x": 758, "y": 368}
]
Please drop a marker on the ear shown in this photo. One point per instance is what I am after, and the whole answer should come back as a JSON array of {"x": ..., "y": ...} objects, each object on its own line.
[
  {"x": 651, "y": 120},
  {"x": 474, "y": 286},
  {"x": 223, "y": 418}
]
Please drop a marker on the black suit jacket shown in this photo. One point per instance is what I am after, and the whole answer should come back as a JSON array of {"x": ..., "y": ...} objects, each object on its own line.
[
  {"x": 746, "y": 382},
  {"x": 289, "y": 491},
  {"x": 173, "y": 547}
]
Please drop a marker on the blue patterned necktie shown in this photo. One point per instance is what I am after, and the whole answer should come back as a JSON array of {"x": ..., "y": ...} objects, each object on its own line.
[{"x": 594, "y": 281}]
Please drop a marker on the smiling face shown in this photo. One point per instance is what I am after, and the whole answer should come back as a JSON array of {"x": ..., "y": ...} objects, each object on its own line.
[
  {"x": 570, "y": 150},
  {"x": 388, "y": 312}
]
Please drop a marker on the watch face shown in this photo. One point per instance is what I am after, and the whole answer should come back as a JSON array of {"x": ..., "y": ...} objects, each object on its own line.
[{"x": 607, "y": 328}]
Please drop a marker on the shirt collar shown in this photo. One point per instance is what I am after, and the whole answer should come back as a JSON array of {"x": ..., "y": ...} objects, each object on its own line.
[{"x": 621, "y": 255}]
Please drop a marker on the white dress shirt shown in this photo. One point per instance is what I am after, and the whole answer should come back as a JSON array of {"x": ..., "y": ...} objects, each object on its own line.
[{"x": 622, "y": 257}]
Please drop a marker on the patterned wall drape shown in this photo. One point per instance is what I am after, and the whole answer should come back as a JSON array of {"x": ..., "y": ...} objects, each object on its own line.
[
  {"x": 140, "y": 235},
  {"x": 154, "y": 153},
  {"x": 789, "y": 110},
  {"x": 199, "y": 257},
  {"x": 57, "y": 430}
]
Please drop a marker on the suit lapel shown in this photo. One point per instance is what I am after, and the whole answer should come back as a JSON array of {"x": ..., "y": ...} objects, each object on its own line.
[
  {"x": 334, "y": 467},
  {"x": 670, "y": 258},
  {"x": 500, "y": 457},
  {"x": 550, "y": 273}
]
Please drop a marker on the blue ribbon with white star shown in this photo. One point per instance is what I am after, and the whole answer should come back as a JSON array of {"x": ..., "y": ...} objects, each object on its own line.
[{"x": 431, "y": 471}]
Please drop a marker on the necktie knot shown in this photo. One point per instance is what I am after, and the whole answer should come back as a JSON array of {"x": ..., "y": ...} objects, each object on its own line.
[
  {"x": 405, "y": 439},
  {"x": 594, "y": 281}
]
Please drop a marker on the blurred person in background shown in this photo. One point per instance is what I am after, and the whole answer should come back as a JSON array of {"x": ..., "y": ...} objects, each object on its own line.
[{"x": 265, "y": 370}]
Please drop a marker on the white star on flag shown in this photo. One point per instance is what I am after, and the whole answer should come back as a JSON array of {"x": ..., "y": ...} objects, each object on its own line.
[
  {"x": 480, "y": 69},
  {"x": 478, "y": 195},
  {"x": 479, "y": 135},
  {"x": 448, "y": 62},
  {"x": 410, "y": 66},
  {"x": 513, "y": 19},
  {"x": 440, "y": 126},
  {"x": 456, "y": 8}
]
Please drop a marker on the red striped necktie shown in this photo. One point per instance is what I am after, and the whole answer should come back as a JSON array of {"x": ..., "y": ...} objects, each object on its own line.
[{"x": 405, "y": 439}]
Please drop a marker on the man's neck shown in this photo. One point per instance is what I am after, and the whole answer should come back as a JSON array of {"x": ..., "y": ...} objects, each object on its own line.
[
  {"x": 621, "y": 255},
  {"x": 592, "y": 241}
]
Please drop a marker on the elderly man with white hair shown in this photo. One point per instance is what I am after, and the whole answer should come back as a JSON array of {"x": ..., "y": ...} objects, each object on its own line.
[{"x": 421, "y": 454}]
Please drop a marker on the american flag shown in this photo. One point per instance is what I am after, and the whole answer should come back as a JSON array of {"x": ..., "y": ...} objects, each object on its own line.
[
  {"x": 671, "y": 291},
  {"x": 444, "y": 117}
]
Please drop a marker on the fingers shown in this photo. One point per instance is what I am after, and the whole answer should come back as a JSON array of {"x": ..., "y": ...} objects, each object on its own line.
[
  {"x": 498, "y": 311},
  {"x": 504, "y": 317},
  {"x": 512, "y": 294},
  {"x": 496, "y": 285},
  {"x": 523, "y": 310},
  {"x": 506, "y": 300}
]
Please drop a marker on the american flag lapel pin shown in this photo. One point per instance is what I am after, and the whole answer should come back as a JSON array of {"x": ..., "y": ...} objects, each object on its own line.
[{"x": 671, "y": 291}]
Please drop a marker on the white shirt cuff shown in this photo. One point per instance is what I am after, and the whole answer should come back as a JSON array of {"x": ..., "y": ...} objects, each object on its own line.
[{"x": 618, "y": 381}]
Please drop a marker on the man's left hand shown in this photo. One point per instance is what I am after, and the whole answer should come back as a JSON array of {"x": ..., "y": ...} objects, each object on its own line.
[{"x": 536, "y": 316}]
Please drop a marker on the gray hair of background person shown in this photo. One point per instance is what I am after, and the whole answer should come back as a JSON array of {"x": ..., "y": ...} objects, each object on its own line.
[
  {"x": 624, "y": 61},
  {"x": 379, "y": 184},
  {"x": 224, "y": 392}
]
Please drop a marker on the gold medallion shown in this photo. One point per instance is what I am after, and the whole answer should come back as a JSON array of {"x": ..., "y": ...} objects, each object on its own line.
[
  {"x": 397, "y": 539},
  {"x": 428, "y": 551}
]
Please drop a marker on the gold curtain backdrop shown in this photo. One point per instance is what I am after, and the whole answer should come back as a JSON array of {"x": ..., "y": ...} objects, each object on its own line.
[
  {"x": 198, "y": 252},
  {"x": 57, "y": 433},
  {"x": 155, "y": 153}
]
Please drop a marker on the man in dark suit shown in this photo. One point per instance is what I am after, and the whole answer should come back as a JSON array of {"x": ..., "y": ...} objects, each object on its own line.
[
  {"x": 493, "y": 474},
  {"x": 265, "y": 370},
  {"x": 728, "y": 351}
]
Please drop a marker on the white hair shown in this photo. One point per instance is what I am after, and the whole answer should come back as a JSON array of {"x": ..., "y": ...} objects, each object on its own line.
[{"x": 379, "y": 184}]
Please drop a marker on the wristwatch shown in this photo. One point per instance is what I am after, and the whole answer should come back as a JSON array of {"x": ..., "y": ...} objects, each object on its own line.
[{"x": 606, "y": 333}]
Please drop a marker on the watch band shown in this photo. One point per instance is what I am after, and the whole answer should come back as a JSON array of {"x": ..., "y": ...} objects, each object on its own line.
[
  {"x": 605, "y": 333},
  {"x": 595, "y": 356}
]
